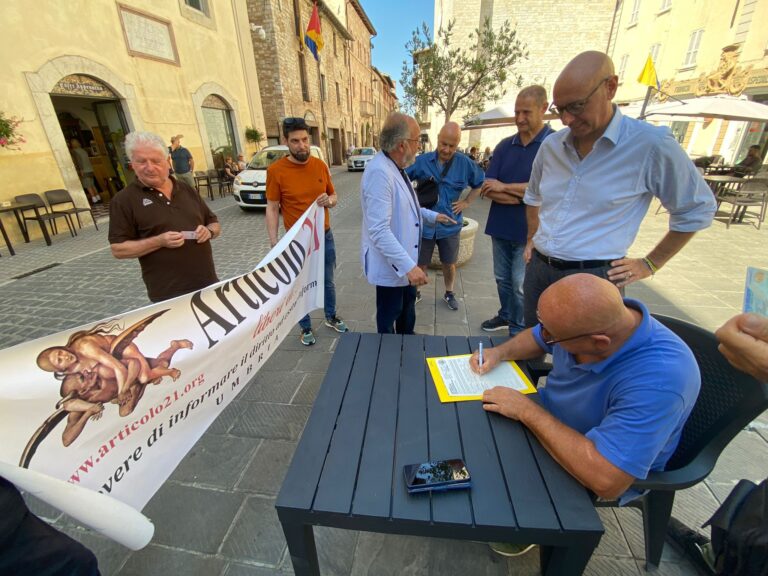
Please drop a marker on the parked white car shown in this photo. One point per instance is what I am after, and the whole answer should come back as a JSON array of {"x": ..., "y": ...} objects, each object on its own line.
[
  {"x": 250, "y": 186},
  {"x": 360, "y": 157}
]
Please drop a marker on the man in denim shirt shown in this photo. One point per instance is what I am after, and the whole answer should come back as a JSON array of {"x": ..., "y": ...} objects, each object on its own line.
[{"x": 461, "y": 172}]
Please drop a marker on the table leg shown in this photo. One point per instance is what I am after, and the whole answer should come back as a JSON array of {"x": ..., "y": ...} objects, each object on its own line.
[
  {"x": 22, "y": 227},
  {"x": 301, "y": 546},
  {"x": 560, "y": 560},
  {"x": 7, "y": 240},
  {"x": 43, "y": 227}
]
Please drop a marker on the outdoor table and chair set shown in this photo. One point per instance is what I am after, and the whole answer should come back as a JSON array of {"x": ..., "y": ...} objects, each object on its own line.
[
  {"x": 378, "y": 410},
  {"x": 32, "y": 208},
  {"x": 741, "y": 193}
]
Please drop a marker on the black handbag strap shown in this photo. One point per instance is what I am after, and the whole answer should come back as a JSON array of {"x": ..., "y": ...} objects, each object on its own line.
[{"x": 446, "y": 167}]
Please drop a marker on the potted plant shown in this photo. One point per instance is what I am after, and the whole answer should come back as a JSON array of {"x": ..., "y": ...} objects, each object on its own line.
[
  {"x": 9, "y": 135},
  {"x": 254, "y": 136}
]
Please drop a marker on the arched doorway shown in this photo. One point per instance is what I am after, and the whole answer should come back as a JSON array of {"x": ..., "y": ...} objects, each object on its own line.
[
  {"x": 91, "y": 117},
  {"x": 217, "y": 115},
  {"x": 41, "y": 84}
]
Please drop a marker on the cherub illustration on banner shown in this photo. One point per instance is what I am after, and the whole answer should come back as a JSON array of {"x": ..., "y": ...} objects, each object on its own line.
[{"x": 97, "y": 367}]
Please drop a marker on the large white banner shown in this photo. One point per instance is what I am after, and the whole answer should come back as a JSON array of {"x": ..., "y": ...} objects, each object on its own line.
[{"x": 114, "y": 406}]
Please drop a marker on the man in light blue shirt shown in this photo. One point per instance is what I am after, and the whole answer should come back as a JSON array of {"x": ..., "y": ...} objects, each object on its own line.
[{"x": 592, "y": 183}]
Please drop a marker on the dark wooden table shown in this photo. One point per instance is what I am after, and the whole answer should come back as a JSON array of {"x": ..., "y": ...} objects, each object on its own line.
[
  {"x": 18, "y": 208},
  {"x": 378, "y": 410}
]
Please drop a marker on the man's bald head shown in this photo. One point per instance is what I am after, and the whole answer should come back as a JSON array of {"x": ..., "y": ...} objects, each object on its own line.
[
  {"x": 447, "y": 140},
  {"x": 586, "y": 70},
  {"x": 583, "y": 94},
  {"x": 451, "y": 129},
  {"x": 581, "y": 304}
]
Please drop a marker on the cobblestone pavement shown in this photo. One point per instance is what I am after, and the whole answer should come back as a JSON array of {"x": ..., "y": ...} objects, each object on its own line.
[{"x": 215, "y": 515}]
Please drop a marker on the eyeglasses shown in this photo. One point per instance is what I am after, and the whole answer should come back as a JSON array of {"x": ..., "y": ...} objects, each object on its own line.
[
  {"x": 549, "y": 340},
  {"x": 576, "y": 108}
]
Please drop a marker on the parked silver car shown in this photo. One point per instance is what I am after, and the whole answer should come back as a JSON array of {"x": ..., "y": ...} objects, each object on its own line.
[{"x": 360, "y": 157}]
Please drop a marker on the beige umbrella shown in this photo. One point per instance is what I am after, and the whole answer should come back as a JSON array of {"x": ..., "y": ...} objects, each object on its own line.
[
  {"x": 723, "y": 107},
  {"x": 501, "y": 115}
]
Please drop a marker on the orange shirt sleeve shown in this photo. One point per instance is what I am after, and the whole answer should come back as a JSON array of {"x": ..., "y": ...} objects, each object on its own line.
[{"x": 273, "y": 183}]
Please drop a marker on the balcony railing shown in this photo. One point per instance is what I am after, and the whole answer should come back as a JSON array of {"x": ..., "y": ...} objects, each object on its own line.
[{"x": 366, "y": 108}]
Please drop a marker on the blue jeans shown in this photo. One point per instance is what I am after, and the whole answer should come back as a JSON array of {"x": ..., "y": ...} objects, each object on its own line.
[
  {"x": 509, "y": 270},
  {"x": 395, "y": 309},
  {"x": 330, "y": 285}
]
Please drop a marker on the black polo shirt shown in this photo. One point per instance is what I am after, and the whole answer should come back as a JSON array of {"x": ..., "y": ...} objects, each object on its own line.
[{"x": 139, "y": 211}]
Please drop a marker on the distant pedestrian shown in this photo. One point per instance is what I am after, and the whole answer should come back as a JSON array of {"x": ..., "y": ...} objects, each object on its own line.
[
  {"x": 294, "y": 182},
  {"x": 163, "y": 222},
  {"x": 182, "y": 162},
  {"x": 391, "y": 231},
  {"x": 241, "y": 163},
  {"x": 84, "y": 170}
]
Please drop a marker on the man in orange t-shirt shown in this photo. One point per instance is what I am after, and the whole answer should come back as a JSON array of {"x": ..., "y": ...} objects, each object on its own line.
[{"x": 293, "y": 183}]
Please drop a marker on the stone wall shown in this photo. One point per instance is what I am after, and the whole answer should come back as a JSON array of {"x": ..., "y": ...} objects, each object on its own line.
[{"x": 553, "y": 33}]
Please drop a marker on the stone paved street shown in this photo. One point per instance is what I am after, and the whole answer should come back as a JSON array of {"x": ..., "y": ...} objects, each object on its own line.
[{"x": 215, "y": 515}]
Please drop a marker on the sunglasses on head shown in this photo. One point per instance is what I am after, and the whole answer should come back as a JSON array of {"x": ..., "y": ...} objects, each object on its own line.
[{"x": 294, "y": 122}]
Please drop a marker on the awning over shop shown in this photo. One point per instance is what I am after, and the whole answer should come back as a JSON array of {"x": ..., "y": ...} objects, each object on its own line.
[{"x": 502, "y": 115}]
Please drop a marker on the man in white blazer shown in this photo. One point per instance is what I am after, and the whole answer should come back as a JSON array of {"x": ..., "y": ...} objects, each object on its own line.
[{"x": 391, "y": 232}]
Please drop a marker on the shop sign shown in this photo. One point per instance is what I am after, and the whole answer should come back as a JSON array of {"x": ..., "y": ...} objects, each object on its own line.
[
  {"x": 728, "y": 78},
  {"x": 81, "y": 85}
]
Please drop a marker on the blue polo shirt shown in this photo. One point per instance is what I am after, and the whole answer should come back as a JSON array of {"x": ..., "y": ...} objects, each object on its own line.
[
  {"x": 463, "y": 172},
  {"x": 511, "y": 163},
  {"x": 632, "y": 405}
]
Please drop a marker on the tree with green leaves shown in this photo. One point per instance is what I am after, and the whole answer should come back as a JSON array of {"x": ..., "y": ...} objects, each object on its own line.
[{"x": 449, "y": 77}]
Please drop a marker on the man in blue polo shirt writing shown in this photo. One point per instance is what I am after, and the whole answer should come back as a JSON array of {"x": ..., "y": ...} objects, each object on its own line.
[
  {"x": 505, "y": 183},
  {"x": 620, "y": 390},
  {"x": 453, "y": 173}
]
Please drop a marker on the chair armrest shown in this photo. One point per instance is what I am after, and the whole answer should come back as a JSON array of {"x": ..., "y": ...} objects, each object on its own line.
[{"x": 681, "y": 478}]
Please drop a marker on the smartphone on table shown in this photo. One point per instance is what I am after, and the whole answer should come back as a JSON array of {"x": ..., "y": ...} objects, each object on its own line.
[{"x": 437, "y": 476}]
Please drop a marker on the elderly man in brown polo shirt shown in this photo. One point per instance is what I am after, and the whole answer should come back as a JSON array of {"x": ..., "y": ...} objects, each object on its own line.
[{"x": 163, "y": 222}]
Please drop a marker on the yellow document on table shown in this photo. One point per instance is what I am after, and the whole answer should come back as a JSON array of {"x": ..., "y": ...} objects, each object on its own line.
[{"x": 455, "y": 381}]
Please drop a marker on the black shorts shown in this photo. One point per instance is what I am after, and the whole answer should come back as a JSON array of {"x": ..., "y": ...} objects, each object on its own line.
[{"x": 448, "y": 248}]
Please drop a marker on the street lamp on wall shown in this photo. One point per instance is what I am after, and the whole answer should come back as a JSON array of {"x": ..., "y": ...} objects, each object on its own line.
[{"x": 259, "y": 30}]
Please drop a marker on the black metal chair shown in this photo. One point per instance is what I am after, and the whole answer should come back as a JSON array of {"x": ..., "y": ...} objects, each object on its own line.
[
  {"x": 226, "y": 186},
  {"x": 202, "y": 179},
  {"x": 215, "y": 179},
  {"x": 60, "y": 196},
  {"x": 729, "y": 400},
  {"x": 43, "y": 216}
]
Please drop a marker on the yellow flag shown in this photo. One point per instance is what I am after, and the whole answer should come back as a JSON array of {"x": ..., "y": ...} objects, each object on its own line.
[{"x": 648, "y": 75}]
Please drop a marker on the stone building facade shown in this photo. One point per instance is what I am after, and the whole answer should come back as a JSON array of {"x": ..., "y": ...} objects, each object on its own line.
[
  {"x": 100, "y": 69},
  {"x": 361, "y": 75},
  {"x": 699, "y": 48},
  {"x": 384, "y": 101},
  {"x": 554, "y": 32},
  {"x": 330, "y": 94}
]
